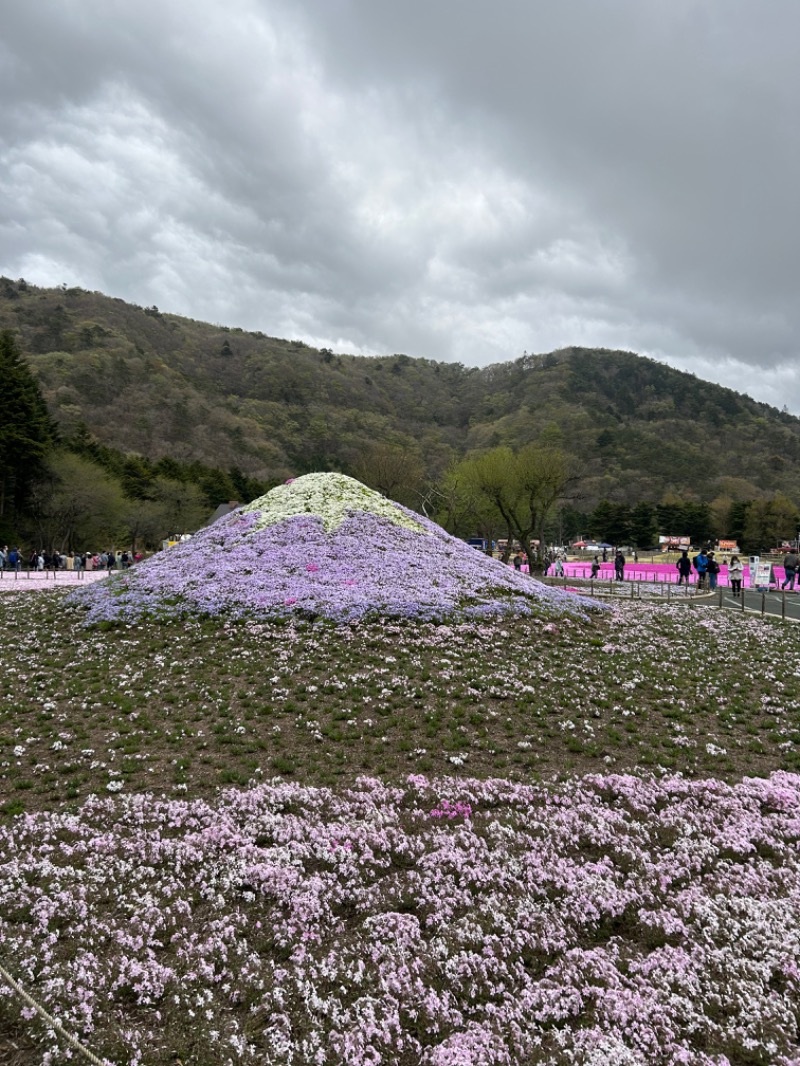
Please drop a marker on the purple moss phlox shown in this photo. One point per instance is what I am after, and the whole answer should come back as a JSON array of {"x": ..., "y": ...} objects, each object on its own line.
[{"x": 368, "y": 567}]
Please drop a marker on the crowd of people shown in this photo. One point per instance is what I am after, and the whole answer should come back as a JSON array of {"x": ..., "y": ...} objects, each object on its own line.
[
  {"x": 13, "y": 559},
  {"x": 703, "y": 569}
]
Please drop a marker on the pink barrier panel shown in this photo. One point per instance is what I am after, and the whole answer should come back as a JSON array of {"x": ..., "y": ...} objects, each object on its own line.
[{"x": 666, "y": 572}]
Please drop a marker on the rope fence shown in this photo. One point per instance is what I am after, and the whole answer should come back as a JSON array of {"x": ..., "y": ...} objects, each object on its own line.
[{"x": 54, "y": 1023}]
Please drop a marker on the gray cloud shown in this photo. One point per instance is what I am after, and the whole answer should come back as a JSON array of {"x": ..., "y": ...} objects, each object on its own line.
[{"x": 457, "y": 180}]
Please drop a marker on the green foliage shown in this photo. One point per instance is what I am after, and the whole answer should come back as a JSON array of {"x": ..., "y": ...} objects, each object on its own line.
[
  {"x": 643, "y": 525},
  {"x": 768, "y": 523},
  {"x": 611, "y": 522},
  {"x": 518, "y": 488},
  {"x": 393, "y": 470},
  {"x": 685, "y": 518},
  {"x": 75, "y": 504},
  {"x": 26, "y": 431}
]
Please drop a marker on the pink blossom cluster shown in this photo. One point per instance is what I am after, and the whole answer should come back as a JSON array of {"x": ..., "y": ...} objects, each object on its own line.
[
  {"x": 447, "y": 809},
  {"x": 611, "y": 920}
]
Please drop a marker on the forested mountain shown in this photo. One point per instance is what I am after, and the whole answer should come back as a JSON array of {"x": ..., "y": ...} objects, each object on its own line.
[{"x": 143, "y": 381}]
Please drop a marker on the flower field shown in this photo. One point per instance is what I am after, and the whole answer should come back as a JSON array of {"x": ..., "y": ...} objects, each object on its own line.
[
  {"x": 323, "y": 546},
  {"x": 470, "y": 823},
  {"x": 446, "y": 922}
]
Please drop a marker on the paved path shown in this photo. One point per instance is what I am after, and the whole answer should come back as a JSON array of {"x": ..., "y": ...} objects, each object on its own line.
[{"x": 775, "y": 604}]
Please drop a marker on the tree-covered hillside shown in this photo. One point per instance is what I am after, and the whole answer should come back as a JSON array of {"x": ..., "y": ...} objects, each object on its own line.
[{"x": 157, "y": 385}]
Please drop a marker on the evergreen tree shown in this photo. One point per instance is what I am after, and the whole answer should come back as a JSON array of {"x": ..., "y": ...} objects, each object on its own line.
[
  {"x": 737, "y": 520},
  {"x": 611, "y": 522},
  {"x": 699, "y": 524},
  {"x": 643, "y": 525},
  {"x": 26, "y": 431}
]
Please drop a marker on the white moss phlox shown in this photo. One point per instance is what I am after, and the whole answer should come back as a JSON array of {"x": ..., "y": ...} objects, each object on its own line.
[{"x": 330, "y": 497}]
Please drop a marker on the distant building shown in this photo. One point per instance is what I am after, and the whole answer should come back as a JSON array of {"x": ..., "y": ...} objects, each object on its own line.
[{"x": 221, "y": 511}]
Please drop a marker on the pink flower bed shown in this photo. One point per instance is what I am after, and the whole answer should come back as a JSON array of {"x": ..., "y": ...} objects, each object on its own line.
[
  {"x": 47, "y": 581},
  {"x": 612, "y": 920}
]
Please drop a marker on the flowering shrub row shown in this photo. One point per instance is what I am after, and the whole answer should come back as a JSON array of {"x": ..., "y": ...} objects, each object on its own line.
[
  {"x": 609, "y": 922},
  {"x": 324, "y": 546}
]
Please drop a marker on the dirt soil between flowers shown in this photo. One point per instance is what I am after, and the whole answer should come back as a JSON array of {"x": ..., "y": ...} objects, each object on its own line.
[{"x": 183, "y": 709}]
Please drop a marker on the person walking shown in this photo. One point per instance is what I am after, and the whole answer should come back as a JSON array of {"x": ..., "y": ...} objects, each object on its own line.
[
  {"x": 684, "y": 566},
  {"x": 735, "y": 574},
  {"x": 595, "y": 567},
  {"x": 790, "y": 564},
  {"x": 619, "y": 566}
]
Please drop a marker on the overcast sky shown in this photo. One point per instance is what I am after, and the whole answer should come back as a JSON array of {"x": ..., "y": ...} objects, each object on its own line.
[{"x": 457, "y": 179}]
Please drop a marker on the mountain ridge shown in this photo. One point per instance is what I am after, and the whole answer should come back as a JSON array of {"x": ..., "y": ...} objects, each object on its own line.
[{"x": 144, "y": 381}]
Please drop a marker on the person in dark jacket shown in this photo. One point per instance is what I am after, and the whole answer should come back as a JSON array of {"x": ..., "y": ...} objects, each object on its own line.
[
  {"x": 790, "y": 564},
  {"x": 712, "y": 569},
  {"x": 684, "y": 565},
  {"x": 619, "y": 566}
]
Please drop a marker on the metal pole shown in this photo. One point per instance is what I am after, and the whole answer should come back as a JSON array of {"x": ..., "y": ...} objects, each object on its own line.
[{"x": 763, "y": 604}]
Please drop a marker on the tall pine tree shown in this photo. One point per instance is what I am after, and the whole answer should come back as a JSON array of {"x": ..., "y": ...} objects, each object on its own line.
[{"x": 26, "y": 430}]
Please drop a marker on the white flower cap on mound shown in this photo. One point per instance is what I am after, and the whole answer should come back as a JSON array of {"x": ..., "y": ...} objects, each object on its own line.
[{"x": 329, "y": 497}]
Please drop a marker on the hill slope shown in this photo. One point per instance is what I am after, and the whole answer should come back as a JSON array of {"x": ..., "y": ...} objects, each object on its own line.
[{"x": 158, "y": 384}]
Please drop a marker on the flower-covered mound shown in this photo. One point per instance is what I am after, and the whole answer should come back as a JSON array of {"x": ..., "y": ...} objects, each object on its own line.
[
  {"x": 446, "y": 923},
  {"x": 324, "y": 546}
]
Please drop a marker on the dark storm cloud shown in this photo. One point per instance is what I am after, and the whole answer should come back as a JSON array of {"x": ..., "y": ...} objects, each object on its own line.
[{"x": 455, "y": 179}]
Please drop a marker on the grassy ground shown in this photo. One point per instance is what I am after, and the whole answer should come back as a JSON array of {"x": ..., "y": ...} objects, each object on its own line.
[{"x": 183, "y": 710}]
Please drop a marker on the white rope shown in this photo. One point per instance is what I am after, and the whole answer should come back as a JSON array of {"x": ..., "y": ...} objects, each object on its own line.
[{"x": 51, "y": 1021}]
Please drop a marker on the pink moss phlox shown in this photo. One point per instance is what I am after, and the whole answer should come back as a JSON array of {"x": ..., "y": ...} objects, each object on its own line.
[{"x": 612, "y": 919}]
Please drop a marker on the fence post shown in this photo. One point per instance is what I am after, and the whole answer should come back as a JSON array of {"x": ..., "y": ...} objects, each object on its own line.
[
  {"x": 763, "y": 604},
  {"x": 783, "y": 605}
]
